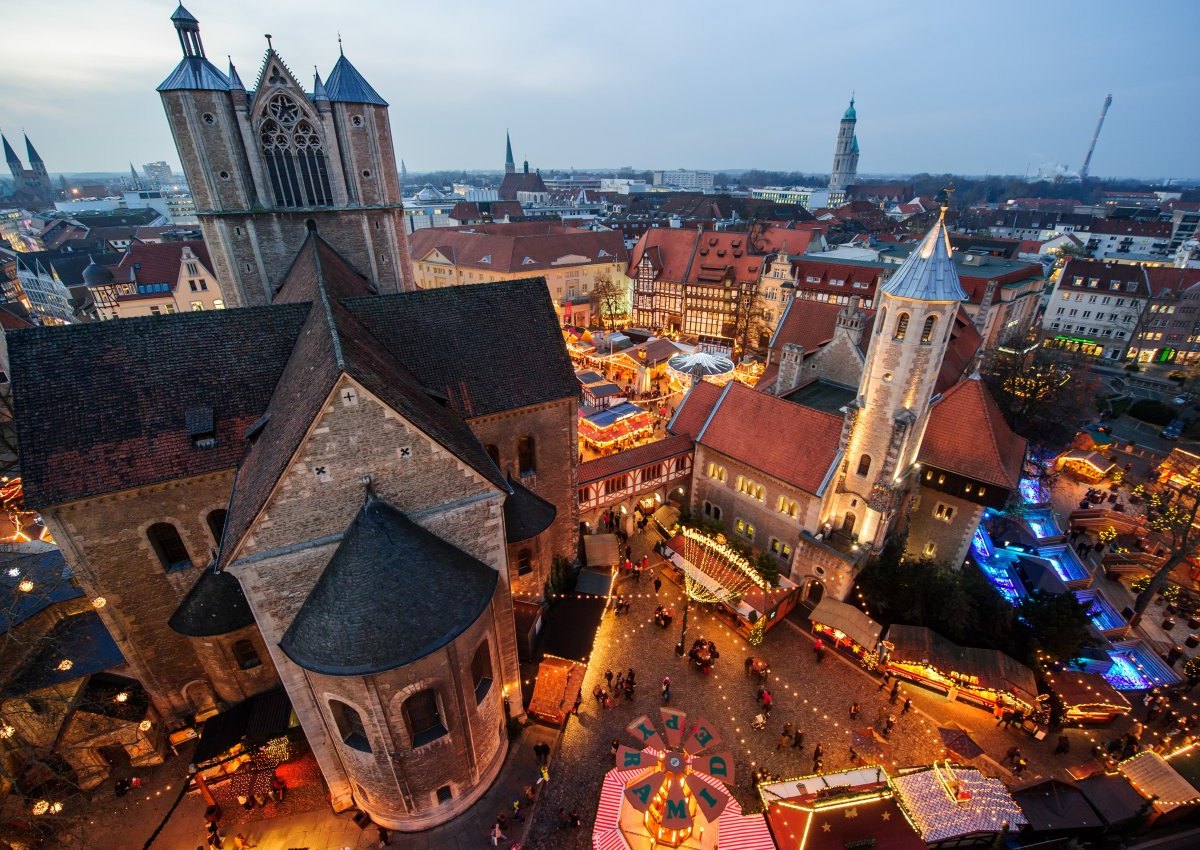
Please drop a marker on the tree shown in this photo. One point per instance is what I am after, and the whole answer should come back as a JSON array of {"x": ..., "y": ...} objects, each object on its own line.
[
  {"x": 609, "y": 300},
  {"x": 1040, "y": 390},
  {"x": 1171, "y": 516},
  {"x": 1057, "y": 624},
  {"x": 768, "y": 568}
]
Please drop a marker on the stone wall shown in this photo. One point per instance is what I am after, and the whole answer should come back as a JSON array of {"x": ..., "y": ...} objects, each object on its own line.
[{"x": 951, "y": 540}]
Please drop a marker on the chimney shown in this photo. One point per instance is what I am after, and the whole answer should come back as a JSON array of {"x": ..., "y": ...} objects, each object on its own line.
[{"x": 791, "y": 363}]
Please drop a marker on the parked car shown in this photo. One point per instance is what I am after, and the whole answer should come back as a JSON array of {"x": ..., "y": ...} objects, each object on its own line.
[{"x": 1172, "y": 431}]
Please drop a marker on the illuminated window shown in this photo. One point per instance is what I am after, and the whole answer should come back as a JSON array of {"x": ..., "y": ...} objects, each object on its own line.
[
  {"x": 930, "y": 549},
  {"x": 927, "y": 331},
  {"x": 943, "y": 512},
  {"x": 901, "y": 326}
]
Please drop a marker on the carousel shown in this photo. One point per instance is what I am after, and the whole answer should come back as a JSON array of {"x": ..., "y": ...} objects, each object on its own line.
[
  {"x": 669, "y": 791},
  {"x": 688, "y": 369}
]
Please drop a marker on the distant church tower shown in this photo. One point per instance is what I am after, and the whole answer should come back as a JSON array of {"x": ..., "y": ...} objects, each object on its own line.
[
  {"x": 32, "y": 183},
  {"x": 885, "y": 424},
  {"x": 263, "y": 163},
  {"x": 845, "y": 156},
  {"x": 510, "y": 165}
]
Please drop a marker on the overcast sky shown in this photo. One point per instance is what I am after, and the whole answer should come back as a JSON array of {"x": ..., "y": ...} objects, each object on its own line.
[{"x": 965, "y": 87}]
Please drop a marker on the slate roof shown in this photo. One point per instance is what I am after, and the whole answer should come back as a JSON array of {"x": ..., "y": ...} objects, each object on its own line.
[
  {"x": 52, "y": 580},
  {"x": 967, "y": 435},
  {"x": 362, "y": 615},
  {"x": 82, "y": 639},
  {"x": 347, "y": 85},
  {"x": 485, "y": 348},
  {"x": 518, "y": 246},
  {"x": 215, "y": 605},
  {"x": 795, "y": 444},
  {"x": 159, "y": 262},
  {"x": 526, "y": 514},
  {"x": 195, "y": 73},
  {"x": 520, "y": 181},
  {"x": 635, "y": 458},
  {"x": 77, "y": 442},
  {"x": 928, "y": 273}
]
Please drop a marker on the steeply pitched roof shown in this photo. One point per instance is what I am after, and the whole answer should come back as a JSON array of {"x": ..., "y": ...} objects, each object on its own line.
[
  {"x": 215, "y": 605},
  {"x": 526, "y": 514},
  {"x": 967, "y": 435},
  {"x": 528, "y": 247},
  {"x": 486, "y": 348},
  {"x": 151, "y": 262},
  {"x": 362, "y": 615},
  {"x": 77, "y": 442},
  {"x": 520, "y": 181},
  {"x": 635, "y": 458},
  {"x": 795, "y": 444},
  {"x": 928, "y": 274},
  {"x": 195, "y": 73},
  {"x": 694, "y": 410},
  {"x": 347, "y": 85}
]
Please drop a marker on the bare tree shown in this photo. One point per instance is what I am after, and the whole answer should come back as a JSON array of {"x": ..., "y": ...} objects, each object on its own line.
[
  {"x": 1171, "y": 516},
  {"x": 1040, "y": 390},
  {"x": 609, "y": 302}
]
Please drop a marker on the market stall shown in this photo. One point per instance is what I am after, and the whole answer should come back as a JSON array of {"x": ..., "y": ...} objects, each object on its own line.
[
  {"x": 616, "y": 427},
  {"x": 984, "y": 677},
  {"x": 559, "y": 682},
  {"x": 1169, "y": 792},
  {"x": 956, "y": 806},
  {"x": 1085, "y": 465},
  {"x": 846, "y": 627},
  {"x": 1086, "y": 699}
]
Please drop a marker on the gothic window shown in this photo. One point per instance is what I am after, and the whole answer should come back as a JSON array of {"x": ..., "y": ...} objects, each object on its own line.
[
  {"x": 927, "y": 331},
  {"x": 168, "y": 545},
  {"x": 526, "y": 458},
  {"x": 901, "y": 326},
  {"x": 350, "y": 726},
  {"x": 422, "y": 717},
  {"x": 882, "y": 320},
  {"x": 294, "y": 154},
  {"x": 481, "y": 672},
  {"x": 864, "y": 464},
  {"x": 246, "y": 655},
  {"x": 216, "y": 524}
]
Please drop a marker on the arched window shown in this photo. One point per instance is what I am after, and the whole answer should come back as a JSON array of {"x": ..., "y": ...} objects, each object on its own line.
[
  {"x": 216, "y": 524},
  {"x": 901, "y": 326},
  {"x": 350, "y": 726},
  {"x": 422, "y": 717},
  {"x": 294, "y": 155},
  {"x": 882, "y": 320},
  {"x": 526, "y": 456},
  {"x": 481, "y": 672},
  {"x": 524, "y": 562},
  {"x": 864, "y": 464},
  {"x": 927, "y": 331},
  {"x": 168, "y": 545},
  {"x": 246, "y": 655}
]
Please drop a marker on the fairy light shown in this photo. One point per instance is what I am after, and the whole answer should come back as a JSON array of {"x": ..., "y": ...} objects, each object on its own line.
[
  {"x": 7, "y": 731},
  {"x": 145, "y": 725},
  {"x": 13, "y": 572},
  {"x": 41, "y": 807},
  {"x": 25, "y": 586},
  {"x": 65, "y": 665},
  {"x": 122, "y": 697},
  {"x": 99, "y": 602}
]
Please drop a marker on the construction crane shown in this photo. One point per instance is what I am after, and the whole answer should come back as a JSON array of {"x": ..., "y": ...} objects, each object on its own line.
[{"x": 1087, "y": 160}]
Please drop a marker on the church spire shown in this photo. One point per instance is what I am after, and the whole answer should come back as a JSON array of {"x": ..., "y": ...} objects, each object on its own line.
[
  {"x": 235, "y": 82},
  {"x": 319, "y": 94},
  {"x": 34, "y": 156},
  {"x": 194, "y": 72},
  {"x": 347, "y": 85},
  {"x": 188, "y": 29},
  {"x": 10, "y": 155},
  {"x": 928, "y": 274},
  {"x": 510, "y": 164}
]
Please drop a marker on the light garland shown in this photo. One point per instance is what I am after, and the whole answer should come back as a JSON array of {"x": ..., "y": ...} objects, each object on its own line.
[
  {"x": 25, "y": 586},
  {"x": 65, "y": 665},
  {"x": 7, "y": 731},
  {"x": 99, "y": 602}
]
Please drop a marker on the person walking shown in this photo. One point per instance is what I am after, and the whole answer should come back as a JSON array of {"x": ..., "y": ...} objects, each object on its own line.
[
  {"x": 608, "y": 678},
  {"x": 895, "y": 692},
  {"x": 907, "y": 706},
  {"x": 385, "y": 837},
  {"x": 657, "y": 585},
  {"x": 854, "y": 710},
  {"x": 1064, "y": 745},
  {"x": 497, "y": 834},
  {"x": 666, "y": 689},
  {"x": 888, "y": 725},
  {"x": 887, "y": 677},
  {"x": 798, "y": 740},
  {"x": 818, "y": 756},
  {"x": 564, "y": 819},
  {"x": 785, "y": 741}
]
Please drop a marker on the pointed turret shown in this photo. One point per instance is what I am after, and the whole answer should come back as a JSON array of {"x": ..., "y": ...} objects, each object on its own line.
[
  {"x": 34, "y": 156},
  {"x": 133, "y": 176},
  {"x": 510, "y": 165},
  {"x": 235, "y": 82},
  {"x": 347, "y": 85},
  {"x": 319, "y": 95},
  {"x": 929, "y": 273},
  {"x": 194, "y": 72},
  {"x": 850, "y": 114}
]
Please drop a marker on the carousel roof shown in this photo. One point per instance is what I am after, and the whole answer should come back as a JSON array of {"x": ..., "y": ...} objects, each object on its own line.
[{"x": 702, "y": 364}]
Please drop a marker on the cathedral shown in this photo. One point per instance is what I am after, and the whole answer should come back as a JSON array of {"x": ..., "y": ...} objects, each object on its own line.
[
  {"x": 337, "y": 488},
  {"x": 263, "y": 163},
  {"x": 30, "y": 185}
]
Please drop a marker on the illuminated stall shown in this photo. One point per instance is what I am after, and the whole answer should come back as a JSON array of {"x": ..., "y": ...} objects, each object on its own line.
[
  {"x": 617, "y": 426},
  {"x": 984, "y": 677},
  {"x": 846, "y": 627},
  {"x": 956, "y": 806},
  {"x": 1087, "y": 699}
]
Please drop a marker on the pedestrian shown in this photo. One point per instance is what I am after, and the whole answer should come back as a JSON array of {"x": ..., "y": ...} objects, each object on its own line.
[
  {"x": 597, "y": 691},
  {"x": 767, "y": 702},
  {"x": 907, "y": 706},
  {"x": 895, "y": 692},
  {"x": 666, "y": 689},
  {"x": 888, "y": 725},
  {"x": 798, "y": 740},
  {"x": 1064, "y": 745},
  {"x": 628, "y": 553},
  {"x": 620, "y": 683},
  {"x": 1019, "y": 767},
  {"x": 854, "y": 709},
  {"x": 645, "y": 558},
  {"x": 657, "y": 585},
  {"x": 576, "y": 820},
  {"x": 787, "y": 728},
  {"x": 785, "y": 741},
  {"x": 530, "y": 794},
  {"x": 564, "y": 819},
  {"x": 608, "y": 678},
  {"x": 637, "y": 573},
  {"x": 497, "y": 835},
  {"x": 887, "y": 677},
  {"x": 544, "y": 776},
  {"x": 819, "y": 649},
  {"x": 818, "y": 755},
  {"x": 385, "y": 838}
]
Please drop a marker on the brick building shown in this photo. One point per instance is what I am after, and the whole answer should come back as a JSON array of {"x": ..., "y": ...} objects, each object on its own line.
[
  {"x": 263, "y": 163},
  {"x": 155, "y": 280}
]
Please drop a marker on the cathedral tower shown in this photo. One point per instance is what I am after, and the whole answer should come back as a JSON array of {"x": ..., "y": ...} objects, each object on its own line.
[
  {"x": 885, "y": 424},
  {"x": 845, "y": 156},
  {"x": 261, "y": 164},
  {"x": 510, "y": 164}
]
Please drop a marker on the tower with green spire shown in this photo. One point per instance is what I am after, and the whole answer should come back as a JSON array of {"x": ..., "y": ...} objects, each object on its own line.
[
  {"x": 845, "y": 155},
  {"x": 510, "y": 165}
]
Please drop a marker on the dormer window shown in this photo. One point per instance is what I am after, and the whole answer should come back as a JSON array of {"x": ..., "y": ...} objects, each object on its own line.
[
  {"x": 487, "y": 259},
  {"x": 528, "y": 261},
  {"x": 200, "y": 427}
]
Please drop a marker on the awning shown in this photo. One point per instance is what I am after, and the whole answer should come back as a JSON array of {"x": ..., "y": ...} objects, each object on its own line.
[
  {"x": 595, "y": 582},
  {"x": 851, "y": 621},
  {"x": 255, "y": 721}
]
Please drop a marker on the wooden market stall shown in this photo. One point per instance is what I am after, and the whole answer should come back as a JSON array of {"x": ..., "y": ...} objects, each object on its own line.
[
  {"x": 846, "y": 627},
  {"x": 614, "y": 427},
  {"x": 1087, "y": 699},
  {"x": 559, "y": 681},
  {"x": 1172, "y": 796},
  {"x": 956, "y": 806},
  {"x": 984, "y": 677},
  {"x": 1084, "y": 465}
]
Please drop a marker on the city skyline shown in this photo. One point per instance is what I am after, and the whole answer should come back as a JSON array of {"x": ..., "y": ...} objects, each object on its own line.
[{"x": 667, "y": 89}]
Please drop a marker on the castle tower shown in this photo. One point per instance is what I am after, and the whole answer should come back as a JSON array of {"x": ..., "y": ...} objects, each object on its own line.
[
  {"x": 263, "y": 163},
  {"x": 845, "y": 156},
  {"x": 885, "y": 424},
  {"x": 510, "y": 165}
]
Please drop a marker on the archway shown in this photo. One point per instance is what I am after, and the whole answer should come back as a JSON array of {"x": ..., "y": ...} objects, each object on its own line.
[
  {"x": 813, "y": 591},
  {"x": 848, "y": 522}
]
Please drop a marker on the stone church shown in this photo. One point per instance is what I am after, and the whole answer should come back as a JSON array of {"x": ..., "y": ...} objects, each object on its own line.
[{"x": 340, "y": 489}]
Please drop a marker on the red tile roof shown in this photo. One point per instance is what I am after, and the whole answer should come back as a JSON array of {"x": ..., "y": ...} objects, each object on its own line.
[
  {"x": 1171, "y": 280},
  {"x": 1128, "y": 227},
  {"x": 147, "y": 262},
  {"x": 967, "y": 435},
  {"x": 635, "y": 458},
  {"x": 792, "y": 443},
  {"x": 530, "y": 246},
  {"x": 689, "y": 256},
  {"x": 693, "y": 411}
]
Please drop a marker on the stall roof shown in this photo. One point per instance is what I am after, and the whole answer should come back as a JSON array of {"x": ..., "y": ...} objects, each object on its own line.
[
  {"x": 1076, "y": 688},
  {"x": 1187, "y": 763},
  {"x": 1053, "y": 805},
  {"x": 594, "y": 582},
  {"x": 610, "y": 416},
  {"x": 1112, "y": 796},
  {"x": 1153, "y": 776},
  {"x": 589, "y": 376},
  {"x": 993, "y": 668},
  {"x": 846, "y": 618},
  {"x": 601, "y": 550},
  {"x": 571, "y": 625},
  {"x": 253, "y": 721},
  {"x": 938, "y": 817}
]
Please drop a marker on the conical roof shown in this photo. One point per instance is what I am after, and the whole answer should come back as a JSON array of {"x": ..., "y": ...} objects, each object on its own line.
[
  {"x": 508, "y": 154},
  {"x": 34, "y": 156},
  {"x": 929, "y": 273},
  {"x": 235, "y": 82},
  {"x": 95, "y": 274},
  {"x": 215, "y": 605},
  {"x": 850, "y": 114},
  {"x": 347, "y": 85},
  {"x": 319, "y": 92},
  {"x": 10, "y": 155},
  {"x": 195, "y": 73},
  {"x": 183, "y": 16},
  {"x": 392, "y": 593}
]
